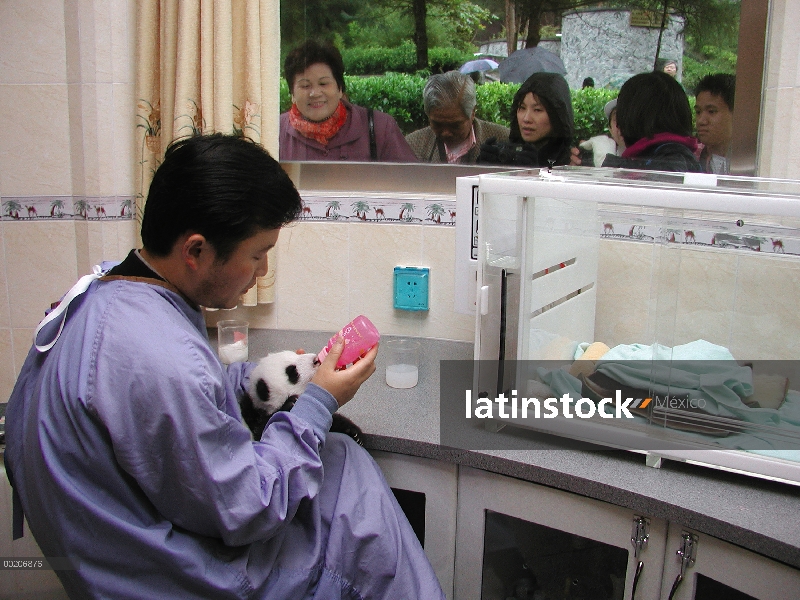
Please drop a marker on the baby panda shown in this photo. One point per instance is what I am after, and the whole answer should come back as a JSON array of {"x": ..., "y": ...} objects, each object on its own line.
[{"x": 276, "y": 383}]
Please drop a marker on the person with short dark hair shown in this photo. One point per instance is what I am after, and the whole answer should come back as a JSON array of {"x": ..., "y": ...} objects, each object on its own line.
[
  {"x": 588, "y": 82},
  {"x": 125, "y": 444},
  {"x": 454, "y": 134},
  {"x": 225, "y": 200},
  {"x": 542, "y": 125},
  {"x": 655, "y": 119},
  {"x": 322, "y": 124},
  {"x": 714, "y": 98}
]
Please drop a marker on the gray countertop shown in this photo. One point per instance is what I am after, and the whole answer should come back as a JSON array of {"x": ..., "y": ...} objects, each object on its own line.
[{"x": 759, "y": 515}]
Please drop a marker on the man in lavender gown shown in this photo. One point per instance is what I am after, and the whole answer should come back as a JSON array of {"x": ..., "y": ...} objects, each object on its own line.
[{"x": 125, "y": 444}]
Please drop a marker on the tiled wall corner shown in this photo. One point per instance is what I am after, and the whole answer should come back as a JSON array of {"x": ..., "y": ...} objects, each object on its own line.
[
  {"x": 40, "y": 267},
  {"x": 123, "y": 40},
  {"x": 34, "y": 120},
  {"x": 32, "y": 42},
  {"x": 122, "y": 135},
  {"x": 97, "y": 104},
  {"x": 779, "y": 155},
  {"x": 439, "y": 252},
  {"x": 5, "y": 308},
  {"x": 8, "y": 370}
]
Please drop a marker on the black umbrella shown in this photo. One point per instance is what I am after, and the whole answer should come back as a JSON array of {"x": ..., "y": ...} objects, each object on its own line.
[{"x": 524, "y": 63}]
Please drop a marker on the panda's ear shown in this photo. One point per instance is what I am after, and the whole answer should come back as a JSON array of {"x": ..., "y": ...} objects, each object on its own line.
[
  {"x": 292, "y": 375},
  {"x": 262, "y": 390}
]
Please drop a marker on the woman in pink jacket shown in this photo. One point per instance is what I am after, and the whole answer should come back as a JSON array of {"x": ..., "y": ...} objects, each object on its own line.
[{"x": 322, "y": 124}]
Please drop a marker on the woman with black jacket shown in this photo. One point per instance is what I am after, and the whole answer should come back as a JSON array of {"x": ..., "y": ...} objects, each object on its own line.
[
  {"x": 542, "y": 126},
  {"x": 655, "y": 119}
]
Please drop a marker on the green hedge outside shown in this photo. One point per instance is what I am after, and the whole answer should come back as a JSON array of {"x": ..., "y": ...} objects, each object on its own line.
[
  {"x": 402, "y": 59},
  {"x": 400, "y": 95}
]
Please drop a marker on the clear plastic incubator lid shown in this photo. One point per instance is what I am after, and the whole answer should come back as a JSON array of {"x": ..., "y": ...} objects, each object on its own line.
[
  {"x": 657, "y": 188},
  {"x": 676, "y": 290}
]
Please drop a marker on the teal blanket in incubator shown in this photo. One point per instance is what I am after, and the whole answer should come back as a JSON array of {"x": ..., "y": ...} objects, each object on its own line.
[{"x": 697, "y": 370}]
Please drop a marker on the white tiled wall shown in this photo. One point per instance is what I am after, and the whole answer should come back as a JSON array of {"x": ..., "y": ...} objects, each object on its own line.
[
  {"x": 328, "y": 273},
  {"x": 66, "y": 113},
  {"x": 779, "y": 147}
]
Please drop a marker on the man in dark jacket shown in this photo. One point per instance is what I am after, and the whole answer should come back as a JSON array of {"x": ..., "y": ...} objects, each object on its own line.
[
  {"x": 454, "y": 134},
  {"x": 714, "y": 119}
]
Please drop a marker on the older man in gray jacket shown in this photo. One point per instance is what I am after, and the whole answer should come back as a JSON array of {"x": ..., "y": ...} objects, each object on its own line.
[{"x": 454, "y": 134}]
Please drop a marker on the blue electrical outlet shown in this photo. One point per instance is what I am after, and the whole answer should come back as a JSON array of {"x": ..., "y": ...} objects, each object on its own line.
[{"x": 411, "y": 288}]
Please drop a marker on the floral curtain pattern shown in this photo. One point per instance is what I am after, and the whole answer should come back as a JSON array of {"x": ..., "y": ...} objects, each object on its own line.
[{"x": 203, "y": 66}]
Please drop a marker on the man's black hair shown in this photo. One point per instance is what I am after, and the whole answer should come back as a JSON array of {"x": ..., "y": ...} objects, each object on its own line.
[
  {"x": 310, "y": 53},
  {"x": 719, "y": 84},
  {"x": 223, "y": 187},
  {"x": 651, "y": 103}
]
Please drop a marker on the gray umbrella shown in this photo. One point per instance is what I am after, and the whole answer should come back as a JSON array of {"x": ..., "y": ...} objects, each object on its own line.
[
  {"x": 482, "y": 64},
  {"x": 524, "y": 63}
]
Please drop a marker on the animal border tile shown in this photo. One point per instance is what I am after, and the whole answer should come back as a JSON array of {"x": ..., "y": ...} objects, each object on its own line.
[
  {"x": 379, "y": 208},
  {"x": 40, "y": 208}
]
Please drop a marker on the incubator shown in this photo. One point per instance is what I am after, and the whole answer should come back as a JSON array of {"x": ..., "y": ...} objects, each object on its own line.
[{"x": 674, "y": 294}]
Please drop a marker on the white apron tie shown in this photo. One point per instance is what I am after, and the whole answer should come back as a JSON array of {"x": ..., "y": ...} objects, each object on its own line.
[{"x": 61, "y": 310}]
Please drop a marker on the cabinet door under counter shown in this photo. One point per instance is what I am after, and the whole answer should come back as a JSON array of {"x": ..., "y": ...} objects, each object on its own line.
[
  {"x": 434, "y": 518},
  {"x": 701, "y": 567},
  {"x": 519, "y": 540}
]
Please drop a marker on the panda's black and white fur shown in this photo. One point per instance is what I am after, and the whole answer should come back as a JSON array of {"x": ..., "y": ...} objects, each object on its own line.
[{"x": 276, "y": 383}]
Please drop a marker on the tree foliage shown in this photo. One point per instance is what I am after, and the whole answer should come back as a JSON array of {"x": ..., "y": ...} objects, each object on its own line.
[
  {"x": 400, "y": 59},
  {"x": 319, "y": 19},
  {"x": 387, "y": 23},
  {"x": 708, "y": 22},
  {"x": 530, "y": 14},
  {"x": 709, "y": 60}
]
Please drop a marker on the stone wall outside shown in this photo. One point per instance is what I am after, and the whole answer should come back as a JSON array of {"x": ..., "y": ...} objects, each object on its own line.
[{"x": 601, "y": 44}]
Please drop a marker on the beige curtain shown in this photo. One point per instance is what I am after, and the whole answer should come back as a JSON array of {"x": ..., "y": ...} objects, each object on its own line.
[{"x": 204, "y": 66}]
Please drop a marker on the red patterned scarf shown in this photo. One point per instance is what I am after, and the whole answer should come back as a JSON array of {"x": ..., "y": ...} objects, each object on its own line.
[{"x": 322, "y": 131}]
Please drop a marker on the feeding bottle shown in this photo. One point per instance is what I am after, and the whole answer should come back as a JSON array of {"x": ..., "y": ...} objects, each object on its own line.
[{"x": 359, "y": 336}]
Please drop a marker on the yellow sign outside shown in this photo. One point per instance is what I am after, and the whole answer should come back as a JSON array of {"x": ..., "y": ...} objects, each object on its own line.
[{"x": 645, "y": 18}]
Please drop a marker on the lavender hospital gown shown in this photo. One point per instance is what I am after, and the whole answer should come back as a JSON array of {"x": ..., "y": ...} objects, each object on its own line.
[{"x": 126, "y": 447}]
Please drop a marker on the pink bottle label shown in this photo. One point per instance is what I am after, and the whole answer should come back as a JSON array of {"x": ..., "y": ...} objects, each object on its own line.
[{"x": 359, "y": 336}]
